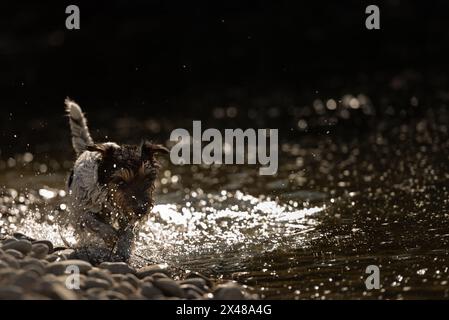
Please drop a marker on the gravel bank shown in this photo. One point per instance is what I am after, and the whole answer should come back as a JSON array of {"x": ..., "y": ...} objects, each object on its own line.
[{"x": 35, "y": 269}]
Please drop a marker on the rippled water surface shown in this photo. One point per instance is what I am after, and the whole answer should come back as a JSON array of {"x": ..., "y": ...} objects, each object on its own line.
[{"x": 341, "y": 201}]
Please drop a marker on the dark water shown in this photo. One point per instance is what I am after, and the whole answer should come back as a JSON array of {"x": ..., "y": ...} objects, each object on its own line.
[{"x": 359, "y": 184}]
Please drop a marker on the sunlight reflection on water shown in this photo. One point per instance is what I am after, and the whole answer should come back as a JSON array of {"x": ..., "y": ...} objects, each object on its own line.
[
  {"x": 230, "y": 224},
  {"x": 233, "y": 223}
]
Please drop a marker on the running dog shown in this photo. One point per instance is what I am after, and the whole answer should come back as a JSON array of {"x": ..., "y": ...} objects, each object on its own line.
[{"x": 110, "y": 186}]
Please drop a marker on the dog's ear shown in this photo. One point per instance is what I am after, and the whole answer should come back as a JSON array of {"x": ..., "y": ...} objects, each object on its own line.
[
  {"x": 103, "y": 148},
  {"x": 148, "y": 150}
]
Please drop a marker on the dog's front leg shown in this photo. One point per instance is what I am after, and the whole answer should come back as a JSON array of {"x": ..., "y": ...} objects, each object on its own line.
[
  {"x": 125, "y": 242},
  {"x": 102, "y": 229}
]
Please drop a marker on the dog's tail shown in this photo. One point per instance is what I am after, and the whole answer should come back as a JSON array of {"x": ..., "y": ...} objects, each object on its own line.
[{"x": 78, "y": 125}]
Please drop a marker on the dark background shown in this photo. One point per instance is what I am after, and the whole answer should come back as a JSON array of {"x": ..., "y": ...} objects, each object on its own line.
[{"x": 180, "y": 59}]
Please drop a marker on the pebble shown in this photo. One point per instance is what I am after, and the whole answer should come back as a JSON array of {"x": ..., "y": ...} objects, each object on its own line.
[
  {"x": 94, "y": 292},
  {"x": 148, "y": 279},
  {"x": 56, "y": 291},
  {"x": 51, "y": 257},
  {"x": 169, "y": 287},
  {"x": 101, "y": 274},
  {"x": 96, "y": 283},
  {"x": 136, "y": 296},
  {"x": 39, "y": 250},
  {"x": 34, "y": 296},
  {"x": 33, "y": 265},
  {"x": 30, "y": 260},
  {"x": 196, "y": 275},
  {"x": 50, "y": 277},
  {"x": 60, "y": 267},
  {"x": 8, "y": 240},
  {"x": 228, "y": 292},
  {"x": 36, "y": 270},
  {"x": 117, "y": 267},
  {"x": 125, "y": 288},
  {"x": 118, "y": 277},
  {"x": 149, "y": 291},
  {"x": 190, "y": 287},
  {"x": 11, "y": 293},
  {"x": 26, "y": 279},
  {"x": 24, "y": 246},
  {"x": 197, "y": 282},
  {"x": 192, "y": 294},
  {"x": 112, "y": 295},
  {"x": 133, "y": 280},
  {"x": 151, "y": 269},
  {"x": 7, "y": 273},
  {"x": 21, "y": 236},
  {"x": 66, "y": 253},
  {"x": 158, "y": 275},
  {"x": 11, "y": 261},
  {"x": 14, "y": 253},
  {"x": 46, "y": 243}
]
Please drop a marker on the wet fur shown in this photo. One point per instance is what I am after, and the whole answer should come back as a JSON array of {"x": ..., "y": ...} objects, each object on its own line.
[{"x": 111, "y": 186}]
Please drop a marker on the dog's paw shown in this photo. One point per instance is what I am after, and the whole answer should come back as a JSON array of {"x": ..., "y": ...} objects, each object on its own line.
[
  {"x": 103, "y": 230},
  {"x": 125, "y": 244}
]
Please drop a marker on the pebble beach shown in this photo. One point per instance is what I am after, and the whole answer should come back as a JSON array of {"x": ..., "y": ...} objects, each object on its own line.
[{"x": 36, "y": 270}]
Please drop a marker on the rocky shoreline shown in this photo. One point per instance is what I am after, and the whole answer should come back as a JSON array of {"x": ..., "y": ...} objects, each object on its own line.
[{"x": 35, "y": 269}]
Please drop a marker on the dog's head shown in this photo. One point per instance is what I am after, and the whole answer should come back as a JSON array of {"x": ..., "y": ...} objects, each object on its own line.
[{"x": 129, "y": 172}]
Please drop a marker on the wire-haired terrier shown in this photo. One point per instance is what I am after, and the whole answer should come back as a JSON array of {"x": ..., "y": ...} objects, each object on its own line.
[{"x": 110, "y": 187}]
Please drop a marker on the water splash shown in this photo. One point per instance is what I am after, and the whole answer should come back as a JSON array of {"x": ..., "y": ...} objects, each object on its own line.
[
  {"x": 229, "y": 226},
  {"x": 232, "y": 225}
]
